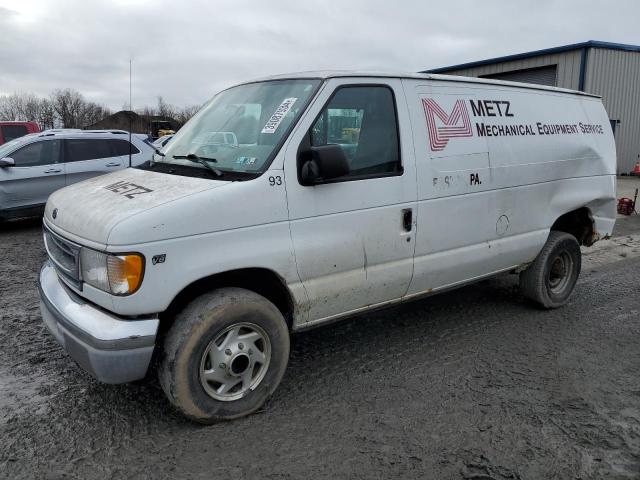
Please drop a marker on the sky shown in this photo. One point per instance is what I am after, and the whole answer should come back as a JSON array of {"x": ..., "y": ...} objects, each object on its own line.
[{"x": 187, "y": 50}]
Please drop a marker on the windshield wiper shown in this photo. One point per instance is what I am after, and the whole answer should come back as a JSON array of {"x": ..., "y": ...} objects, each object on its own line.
[
  {"x": 204, "y": 161},
  {"x": 156, "y": 151},
  {"x": 193, "y": 156}
]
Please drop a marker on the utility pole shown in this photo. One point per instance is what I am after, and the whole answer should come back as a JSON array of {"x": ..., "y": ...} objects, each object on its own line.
[{"x": 130, "y": 112}]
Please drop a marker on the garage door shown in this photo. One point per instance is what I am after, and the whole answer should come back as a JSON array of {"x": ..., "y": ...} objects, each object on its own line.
[{"x": 539, "y": 76}]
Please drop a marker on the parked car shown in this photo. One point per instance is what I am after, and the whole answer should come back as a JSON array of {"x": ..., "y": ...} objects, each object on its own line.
[
  {"x": 162, "y": 141},
  {"x": 145, "y": 137},
  {"x": 12, "y": 130},
  {"x": 35, "y": 165},
  {"x": 343, "y": 193}
]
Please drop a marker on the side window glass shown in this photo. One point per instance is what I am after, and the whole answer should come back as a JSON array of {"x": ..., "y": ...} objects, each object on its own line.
[
  {"x": 9, "y": 132},
  {"x": 79, "y": 149},
  {"x": 45, "y": 152},
  {"x": 121, "y": 148},
  {"x": 362, "y": 120}
]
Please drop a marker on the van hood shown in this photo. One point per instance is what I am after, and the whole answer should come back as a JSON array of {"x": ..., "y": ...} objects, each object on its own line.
[{"x": 89, "y": 210}]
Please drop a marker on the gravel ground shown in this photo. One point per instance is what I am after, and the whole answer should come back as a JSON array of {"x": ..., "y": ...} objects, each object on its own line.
[{"x": 471, "y": 384}]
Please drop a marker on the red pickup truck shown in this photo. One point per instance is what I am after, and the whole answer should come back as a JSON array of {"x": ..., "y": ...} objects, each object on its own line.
[{"x": 11, "y": 130}]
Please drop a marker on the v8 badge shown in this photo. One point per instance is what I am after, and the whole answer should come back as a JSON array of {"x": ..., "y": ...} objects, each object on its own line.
[{"x": 158, "y": 258}]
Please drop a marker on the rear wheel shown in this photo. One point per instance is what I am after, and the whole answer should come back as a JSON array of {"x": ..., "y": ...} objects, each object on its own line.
[
  {"x": 224, "y": 356},
  {"x": 551, "y": 278}
]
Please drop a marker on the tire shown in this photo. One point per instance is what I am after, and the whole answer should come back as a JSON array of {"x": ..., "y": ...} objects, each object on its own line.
[
  {"x": 551, "y": 278},
  {"x": 219, "y": 337}
]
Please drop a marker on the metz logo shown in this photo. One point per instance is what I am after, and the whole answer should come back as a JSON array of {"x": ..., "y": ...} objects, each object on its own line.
[
  {"x": 127, "y": 189},
  {"x": 443, "y": 126}
]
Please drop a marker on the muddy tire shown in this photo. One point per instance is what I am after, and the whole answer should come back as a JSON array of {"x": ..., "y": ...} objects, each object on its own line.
[
  {"x": 551, "y": 278},
  {"x": 225, "y": 354}
]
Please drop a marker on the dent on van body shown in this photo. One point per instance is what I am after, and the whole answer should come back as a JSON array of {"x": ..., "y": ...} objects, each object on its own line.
[{"x": 487, "y": 201}]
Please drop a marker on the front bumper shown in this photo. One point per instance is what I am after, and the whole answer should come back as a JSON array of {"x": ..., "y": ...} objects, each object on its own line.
[{"x": 112, "y": 349}]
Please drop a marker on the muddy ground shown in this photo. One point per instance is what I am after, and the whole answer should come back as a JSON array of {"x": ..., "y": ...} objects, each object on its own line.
[{"x": 474, "y": 383}]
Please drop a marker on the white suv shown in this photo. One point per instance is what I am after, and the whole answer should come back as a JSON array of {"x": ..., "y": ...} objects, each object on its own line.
[{"x": 34, "y": 166}]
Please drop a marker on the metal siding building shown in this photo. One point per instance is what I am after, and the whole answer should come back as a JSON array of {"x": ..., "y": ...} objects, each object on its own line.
[{"x": 610, "y": 70}]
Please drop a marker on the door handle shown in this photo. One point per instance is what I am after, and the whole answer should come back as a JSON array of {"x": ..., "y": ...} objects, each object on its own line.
[
  {"x": 407, "y": 219},
  {"x": 112, "y": 164},
  {"x": 53, "y": 170}
]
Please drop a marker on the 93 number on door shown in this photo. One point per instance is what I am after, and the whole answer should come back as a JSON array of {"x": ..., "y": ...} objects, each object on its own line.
[{"x": 275, "y": 180}]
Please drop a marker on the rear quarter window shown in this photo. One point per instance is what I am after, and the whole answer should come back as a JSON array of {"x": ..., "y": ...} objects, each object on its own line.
[{"x": 123, "y": 147}]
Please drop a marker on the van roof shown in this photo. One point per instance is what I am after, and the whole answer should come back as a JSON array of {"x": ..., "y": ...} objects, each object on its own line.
[{"x": 324, "y": 74}]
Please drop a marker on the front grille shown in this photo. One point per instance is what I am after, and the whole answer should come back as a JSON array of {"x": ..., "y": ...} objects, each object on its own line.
[{"x": 64, "y": 254}]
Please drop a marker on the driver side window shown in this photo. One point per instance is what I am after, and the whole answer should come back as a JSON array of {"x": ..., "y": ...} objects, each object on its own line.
[
  {"x": 362, "y": 120},
  {"x": 44, "y": 152}
]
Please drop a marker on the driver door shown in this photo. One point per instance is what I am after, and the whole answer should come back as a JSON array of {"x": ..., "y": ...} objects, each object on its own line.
[
  {"x": 354, "y": 236},
  {"x": 37, "y": 173}
]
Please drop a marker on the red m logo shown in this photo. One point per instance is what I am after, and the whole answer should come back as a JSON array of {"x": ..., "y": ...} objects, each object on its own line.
[{"x": 456, "y": 124}]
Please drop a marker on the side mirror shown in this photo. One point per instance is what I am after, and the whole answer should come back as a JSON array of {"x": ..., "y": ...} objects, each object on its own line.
[
  {"x": 327, "y": 162},
  {"x": 7, "y": 162}
]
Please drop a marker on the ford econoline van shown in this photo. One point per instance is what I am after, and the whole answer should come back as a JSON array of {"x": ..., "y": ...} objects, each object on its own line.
[{"x": 293, "y": 201}]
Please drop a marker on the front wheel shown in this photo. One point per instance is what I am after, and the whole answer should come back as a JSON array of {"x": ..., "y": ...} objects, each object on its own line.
[
  {"x": 224, "y": 356},
  {"x": 551, "y": 278}
]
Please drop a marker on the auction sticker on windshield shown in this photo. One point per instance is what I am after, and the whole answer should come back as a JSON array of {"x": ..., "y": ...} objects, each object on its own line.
[{"x": 277, "y": 117}]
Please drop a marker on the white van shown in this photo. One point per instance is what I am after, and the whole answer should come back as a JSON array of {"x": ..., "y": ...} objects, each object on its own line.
[{"x": 336, "y": 193}]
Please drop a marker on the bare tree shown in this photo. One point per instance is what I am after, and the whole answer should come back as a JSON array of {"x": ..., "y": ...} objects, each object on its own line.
[
  {"x": 92, "y": 113},
  {"x": 68, "y": 105},
  {"x": 147, "y": 111},
  {"x": 165, "y": 110},
  {"x": 46, "y": 114},
  {"x": 11, "y": 108},
  {"x": 30, "y": 105},
  {"x": 68, "y": 108},
  {"x": 22, "y": 107},
  {"x": 183, "y": 115}
]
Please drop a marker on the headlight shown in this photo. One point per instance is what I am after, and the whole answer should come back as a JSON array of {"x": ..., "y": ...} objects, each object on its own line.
[{"x": 116, "y": 274}]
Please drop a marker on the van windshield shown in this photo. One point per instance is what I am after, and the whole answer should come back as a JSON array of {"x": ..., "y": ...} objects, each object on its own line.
[{"x": 240, "y": 129}]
